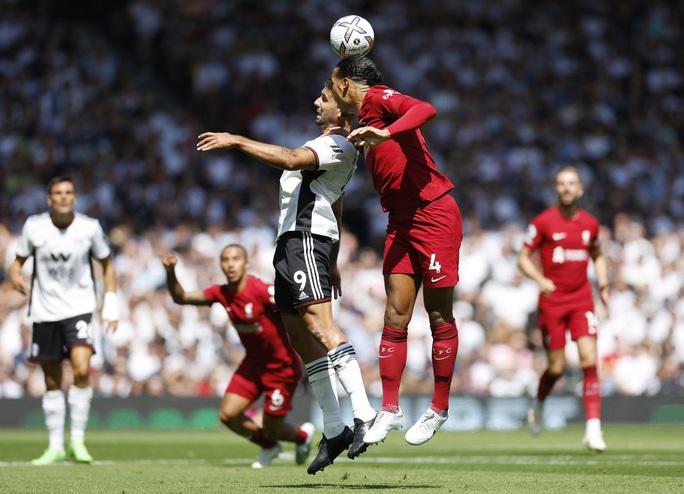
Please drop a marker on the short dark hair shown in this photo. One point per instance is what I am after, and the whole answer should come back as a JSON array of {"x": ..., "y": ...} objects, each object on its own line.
[
  {"x": 236, "y": 246},
  {"x": 58, "y": 180},
  {"x": 569, "y": 169},
  {"x": 359, "y": 69}
]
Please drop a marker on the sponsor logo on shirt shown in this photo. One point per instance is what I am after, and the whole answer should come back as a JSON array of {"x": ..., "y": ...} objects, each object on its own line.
[
  {"x": 558, "y": 236},
  {"x": 561, "y": 255}
]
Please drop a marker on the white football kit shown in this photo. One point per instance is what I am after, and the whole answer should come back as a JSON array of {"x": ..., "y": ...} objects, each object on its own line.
[{"x": 62, "y": 284}]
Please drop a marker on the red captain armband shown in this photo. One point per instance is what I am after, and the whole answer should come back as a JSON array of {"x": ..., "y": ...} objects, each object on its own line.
[{"x": 416, "y": 116}]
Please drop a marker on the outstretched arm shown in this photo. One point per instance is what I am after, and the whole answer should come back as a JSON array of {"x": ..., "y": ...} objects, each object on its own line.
[
  {"x": 275, "y": 156},
  {"x": 179, "y": 295}
]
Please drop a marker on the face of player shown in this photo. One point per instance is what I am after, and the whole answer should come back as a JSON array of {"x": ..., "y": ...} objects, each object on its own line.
[
  {"x": 327, "y": 111},
  {"x": 569, "y": 188},
  {"x": 342, "y": 89},
  {"x": 233, "y": 264},
  {"x": 62, "y": 198}
]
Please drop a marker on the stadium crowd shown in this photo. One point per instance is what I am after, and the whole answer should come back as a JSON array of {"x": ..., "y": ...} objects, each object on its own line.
[{"x": 118, "y": 100}]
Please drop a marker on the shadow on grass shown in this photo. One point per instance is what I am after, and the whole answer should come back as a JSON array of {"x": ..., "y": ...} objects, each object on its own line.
[{"x": 342, "y": 487}]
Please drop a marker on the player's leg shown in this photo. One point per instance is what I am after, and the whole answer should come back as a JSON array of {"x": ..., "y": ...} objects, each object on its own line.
[
  {"x": 583, "y": 327},
  {"x": 438, "y": 303},
  {"x": 78, "y": 340},
  {"x": 553, "y": 326},
  {"x": 277, "y": 404},
  {"x": 401, "y": 290},
  {"x": 342, "y": 356},
  {"x": 337, "y": 437},
  {"x": 46, "y": 349}
]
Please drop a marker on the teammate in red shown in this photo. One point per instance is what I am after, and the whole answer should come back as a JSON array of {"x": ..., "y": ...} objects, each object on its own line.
[
  {"x": 567, "y": 236},
  {"x": 270, "y": 366},
  {"x": 423, "y": 235}
]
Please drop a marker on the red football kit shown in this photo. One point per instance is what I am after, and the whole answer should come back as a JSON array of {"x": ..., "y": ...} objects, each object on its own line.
[
  {"x": 424, "y": 232},
  {"x": 270, "y": 362},
  {"x": 564, "y": 245}
]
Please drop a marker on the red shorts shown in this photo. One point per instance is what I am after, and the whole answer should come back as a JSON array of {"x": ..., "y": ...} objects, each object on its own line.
[
  {"x": 426, "y": 242},
  {"x": 556, "y": 319},
  {"x": 249, "y": 381}
]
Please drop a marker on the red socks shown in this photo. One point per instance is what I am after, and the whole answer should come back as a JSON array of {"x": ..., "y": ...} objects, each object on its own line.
[
  {"x": 259, "y": 439},
  {"x": 546, "y": 383},
  {"x": 300, "y": 436},
  {"x": 444, "y": 350},
  {"x": 591, "y": 392},
  {"x": 392, "y": 360}
]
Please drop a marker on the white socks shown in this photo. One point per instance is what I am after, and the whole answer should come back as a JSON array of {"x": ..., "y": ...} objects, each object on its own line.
[
  {"x": 343, "y": 359},
  {"x": 79, "y": 409},
  {"x": 322, "y": 380},
  {"x": 55, "y": 411},
  {"x": 593, "y": 426}
]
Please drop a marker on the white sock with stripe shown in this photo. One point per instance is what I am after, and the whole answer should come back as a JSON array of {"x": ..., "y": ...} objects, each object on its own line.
[
  {"x": 343, "y": 359},
  {"x": 55, "y": 411},
  {"x": 79, "y": 409},
  {"x": 322, "y": 380}
]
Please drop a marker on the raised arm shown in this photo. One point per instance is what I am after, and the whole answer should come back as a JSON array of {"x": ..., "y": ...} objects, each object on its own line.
[
  {"x": 601, "y": 267},
  {"x": 529, "y": 269},
  {"x": 276, "y": 156},
  {"x": 15, "y": 277},
  {"x": 179, "y": 295}
]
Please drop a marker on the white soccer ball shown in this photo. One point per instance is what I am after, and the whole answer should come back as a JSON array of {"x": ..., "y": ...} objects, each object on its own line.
[{"x": 351, "y": 35}]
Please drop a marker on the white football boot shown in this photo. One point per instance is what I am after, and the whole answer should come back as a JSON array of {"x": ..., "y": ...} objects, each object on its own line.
[
  {"x": 535, "y": 418},
  {"x": 384, "y": 423},
  {"x": 593, "y": 436},
  {"x": 426, "y": 426},
  {"x": 267, "y": 456},
  {"x": 302, "y": 450}
]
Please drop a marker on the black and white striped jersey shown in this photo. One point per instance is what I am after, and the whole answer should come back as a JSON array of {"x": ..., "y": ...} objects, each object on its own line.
[
  {"x": 62, "y": 282},
  {"x": 307, "y": 196}
]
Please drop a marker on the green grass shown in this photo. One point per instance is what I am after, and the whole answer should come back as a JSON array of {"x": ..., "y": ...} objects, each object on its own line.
[{"x": 639, "y": 459}]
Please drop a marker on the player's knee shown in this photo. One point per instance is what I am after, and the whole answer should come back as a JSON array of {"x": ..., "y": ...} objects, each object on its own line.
[
  {"x": 557, "y": 368},
  {"x": 396, "y": 317},
  {"x": 227, "y": 416},
  {"x": 440, "y": 318}
]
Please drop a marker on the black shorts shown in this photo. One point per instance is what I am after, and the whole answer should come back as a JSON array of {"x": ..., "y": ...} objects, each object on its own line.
[
  {"x": 54, "y": 340},
  {"x": 302, "y": 264}
]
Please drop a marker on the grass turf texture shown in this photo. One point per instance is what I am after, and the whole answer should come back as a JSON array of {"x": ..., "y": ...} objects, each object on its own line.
[{"x": 639, "y": 459}]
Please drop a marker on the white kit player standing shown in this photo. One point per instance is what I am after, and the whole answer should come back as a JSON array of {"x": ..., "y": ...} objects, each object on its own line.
[{"x": 62, "y": 300}]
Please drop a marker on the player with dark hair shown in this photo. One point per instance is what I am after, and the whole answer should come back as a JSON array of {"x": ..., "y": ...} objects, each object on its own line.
[
  {"x": 62, "y": 301},
  {"x": 567, "y": 236},
  {"x": 423, "y": 236},
  {"x": 311, "y": 189},
  {"x": 270, "y": 365}
]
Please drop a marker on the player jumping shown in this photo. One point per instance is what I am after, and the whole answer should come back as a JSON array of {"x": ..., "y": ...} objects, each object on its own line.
[
  {"x": 270, "y": 365},
  {"x": 62, "y": 300},
  {"x": 423, "y": 236},
  {"x": 311, "y": 188},
  {"x": 567, "y": 236}
]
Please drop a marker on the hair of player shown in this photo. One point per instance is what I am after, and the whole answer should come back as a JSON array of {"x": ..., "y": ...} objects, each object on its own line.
[
  {"x": 58, "y": 180},
  {"x": 360, "y": 69},
  {"x": 569, "y": 169},
  {"x": 237, "y": 246}
]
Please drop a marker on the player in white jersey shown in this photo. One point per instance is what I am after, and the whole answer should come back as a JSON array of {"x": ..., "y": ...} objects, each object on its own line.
[
  {"x": 311, "y": 188},
  {"x": 62, "y": 300}
]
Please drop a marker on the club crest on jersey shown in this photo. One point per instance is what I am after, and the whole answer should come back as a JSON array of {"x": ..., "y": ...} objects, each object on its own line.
[{"x": 586, "y": 237}]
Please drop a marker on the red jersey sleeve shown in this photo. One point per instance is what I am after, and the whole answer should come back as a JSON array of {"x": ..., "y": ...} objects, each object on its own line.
[
  {"x": 405, "y": 112},
  {"x": 212, "y": 293},
  {"x": 534, "y": 234},
  {"x": 594, "y": 242}
]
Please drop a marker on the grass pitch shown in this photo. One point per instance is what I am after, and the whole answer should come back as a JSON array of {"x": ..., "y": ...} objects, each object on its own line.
[{"x": 639, "y": 459}]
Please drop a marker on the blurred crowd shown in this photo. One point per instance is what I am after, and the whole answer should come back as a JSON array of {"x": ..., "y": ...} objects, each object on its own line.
[{"x": 115, "y": 93}]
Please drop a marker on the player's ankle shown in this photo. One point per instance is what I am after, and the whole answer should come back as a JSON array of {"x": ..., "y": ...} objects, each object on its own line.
[{"x": 391, "y": 408}]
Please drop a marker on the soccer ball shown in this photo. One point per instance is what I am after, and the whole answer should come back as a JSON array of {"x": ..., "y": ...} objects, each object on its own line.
[{"x": 351, "y": 35}]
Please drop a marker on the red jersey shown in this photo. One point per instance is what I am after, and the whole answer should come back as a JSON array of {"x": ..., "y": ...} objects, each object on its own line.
[
  {"x": 403, "y": 171},
  {"x": 564, "y": 245},
  {"x": 260, "y": 328}
]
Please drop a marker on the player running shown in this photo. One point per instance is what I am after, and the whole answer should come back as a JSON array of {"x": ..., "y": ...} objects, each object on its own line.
[
  {"x": 423, "y": 236},
  {"x": 270, "y": 365},
  {"x": 311, "y": 188},
  {"x": 62, "y": 301},
  {"x": 567, "y": 236}
]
